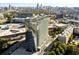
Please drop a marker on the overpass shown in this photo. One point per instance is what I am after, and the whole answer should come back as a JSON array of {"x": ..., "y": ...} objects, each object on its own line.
[
  {"x": 11, "y": 29},
  {"x": 9, "y": 32}
]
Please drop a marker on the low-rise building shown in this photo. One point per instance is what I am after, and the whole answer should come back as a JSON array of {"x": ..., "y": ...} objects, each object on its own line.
[
  {"x": 66, "y": 34},
  {"x": 11, "y": 29},
  {"x": 21, "y": 17}
]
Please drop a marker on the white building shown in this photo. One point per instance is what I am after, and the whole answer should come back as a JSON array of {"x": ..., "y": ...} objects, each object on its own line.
[
  {"x": 38, "y": 27},
  {"x": 65, "y": 35},
  {"x": 18, "y": 20},
  {"x": 1, "y": 16}
]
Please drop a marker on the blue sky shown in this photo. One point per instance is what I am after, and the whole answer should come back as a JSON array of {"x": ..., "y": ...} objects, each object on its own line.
[
  {"x": 68, "y": 3},
  {"x": 18, "y": 4}
]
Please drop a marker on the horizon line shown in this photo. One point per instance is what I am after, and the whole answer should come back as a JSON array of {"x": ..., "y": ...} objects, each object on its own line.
[{"x": 32, "y": 5}]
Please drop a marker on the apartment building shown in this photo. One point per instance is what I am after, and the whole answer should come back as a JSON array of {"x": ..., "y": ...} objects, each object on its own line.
[
  {"x": 65, "y": 35},
  {"x": 37, "y": 32}
]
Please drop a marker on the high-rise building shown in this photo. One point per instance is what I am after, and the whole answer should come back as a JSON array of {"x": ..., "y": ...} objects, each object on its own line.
[
  {"x": 37, "y": 7},
  {"x": 9, "y": 6},
  {"x": 37, "y": 32}
]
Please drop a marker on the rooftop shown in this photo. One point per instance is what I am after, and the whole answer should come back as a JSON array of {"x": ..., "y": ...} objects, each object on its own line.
[
  {"x": 11, "y": 29},
  {"x": 67, "y": 31}
]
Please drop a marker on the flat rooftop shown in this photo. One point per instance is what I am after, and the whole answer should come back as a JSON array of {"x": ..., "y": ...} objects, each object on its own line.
[
  {"x": 67, "y": 31},
  {"x": 11, "y": 29}
]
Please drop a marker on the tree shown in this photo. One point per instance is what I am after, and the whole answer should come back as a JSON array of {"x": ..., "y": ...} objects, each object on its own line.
[
  {"x": 57, "y": 51},
  {"x": 58, "y": 47},
  {"x": 72, "y": 50},
  {"x": 9, "y": 16},
  {"x": 52, "y": 53},
  {"x": 54, "y": 44},
  {"x": 61, "y": 50},
  {"x": 64, "y": 46}
]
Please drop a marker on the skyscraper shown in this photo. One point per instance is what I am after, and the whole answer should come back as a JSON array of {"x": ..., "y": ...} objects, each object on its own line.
[
  {"x": 37, "y": 7},
  {"x": 9, "y": 6}
]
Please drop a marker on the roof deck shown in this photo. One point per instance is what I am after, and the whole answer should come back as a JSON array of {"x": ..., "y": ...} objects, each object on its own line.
[{"x": 11, "y": 29}]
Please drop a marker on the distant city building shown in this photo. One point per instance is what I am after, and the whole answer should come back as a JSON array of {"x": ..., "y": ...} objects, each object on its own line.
[
  {"x": 37, "y": 7},
  {"x": 9, "y": 7},
  {"x": 41, "y": 6}
]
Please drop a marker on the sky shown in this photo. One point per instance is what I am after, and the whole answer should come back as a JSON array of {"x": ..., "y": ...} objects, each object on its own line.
[{"x": 60, "y": 3}]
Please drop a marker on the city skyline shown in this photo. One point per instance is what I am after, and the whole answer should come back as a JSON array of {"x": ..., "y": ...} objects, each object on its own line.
[{"x": 33, "y": 3}]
